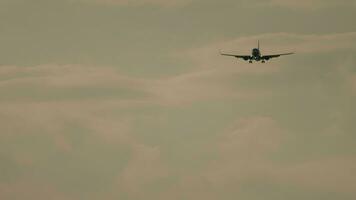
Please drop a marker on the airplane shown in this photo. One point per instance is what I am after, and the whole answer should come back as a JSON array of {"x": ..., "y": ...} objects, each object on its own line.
[{"x": 256, "y": 55}]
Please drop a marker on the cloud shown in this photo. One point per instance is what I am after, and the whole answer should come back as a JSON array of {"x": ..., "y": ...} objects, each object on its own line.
[
  {"x": 302, "y": 4},
  {"x": 145, "y": 168},
  {"x": 110, "y": 120},
  {"x": 64, "y": 76},
  {"x": 311, "y": 4},
  {"x": 244, "y": 157},
  {"x": 332, "y": 174},
  {"x": 166, "y": 3},
  {"x": 262, "y": 134},
  {"x": 73, "y": 83},
  {"x": 28, "y": 189},
  {"x": 240, "y": 150},
  {"x": 201, "y": 85},
  {"x": 244, "y": 147},
  {"x": 74, "y": 115},
  {"x": 352, "y": 81}
]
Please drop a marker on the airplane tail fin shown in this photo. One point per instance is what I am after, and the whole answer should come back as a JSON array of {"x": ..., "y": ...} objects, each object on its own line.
[{"x": 258, "y": 44}]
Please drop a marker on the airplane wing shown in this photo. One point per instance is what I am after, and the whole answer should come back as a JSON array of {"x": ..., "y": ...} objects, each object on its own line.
[
  {"x": 267, "y": 57},
  {"x": 245, "y": 57}
]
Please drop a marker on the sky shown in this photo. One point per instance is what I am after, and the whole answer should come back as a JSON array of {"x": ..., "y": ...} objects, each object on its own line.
[{"x": 130, "y": 100}]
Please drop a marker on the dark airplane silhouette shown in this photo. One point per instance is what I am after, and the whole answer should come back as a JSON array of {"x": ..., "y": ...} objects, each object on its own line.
[{"x": 256, "y": 55}]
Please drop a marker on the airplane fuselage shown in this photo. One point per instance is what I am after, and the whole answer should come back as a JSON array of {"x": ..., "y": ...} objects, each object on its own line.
[{"x": 256, "y": 54}]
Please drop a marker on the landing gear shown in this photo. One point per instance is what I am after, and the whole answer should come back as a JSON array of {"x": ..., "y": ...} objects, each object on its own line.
[
  {"x": 263, "y": 61},
  {"x": 250, "y": 61}
]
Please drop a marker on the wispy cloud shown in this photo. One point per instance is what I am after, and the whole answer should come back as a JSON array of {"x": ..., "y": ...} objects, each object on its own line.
[
  {"x": 311, "y": 4},
  {"x": 353, "y": 81},
  {"x": 54, "y": 105},
  {"x": 168, "y": 3},
  {"x": 29, "y": 189}
]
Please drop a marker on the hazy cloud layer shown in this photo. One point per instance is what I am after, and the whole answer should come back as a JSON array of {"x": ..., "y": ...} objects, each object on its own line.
[
  {"x": 150, "y": 111},
  {"x": 302, "y": 4},
  {"x": 139, "y": 2},
  {"x": 313, "y": 4},
  {"x": 105, "y": 108}
]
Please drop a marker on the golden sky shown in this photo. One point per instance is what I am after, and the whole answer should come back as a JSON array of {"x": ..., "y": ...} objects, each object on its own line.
[{"x": 130, "y": 100}]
